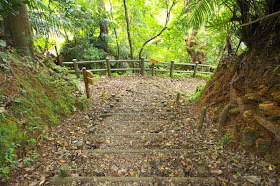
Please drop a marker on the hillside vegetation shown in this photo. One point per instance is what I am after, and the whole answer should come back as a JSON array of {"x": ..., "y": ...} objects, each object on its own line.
[{"x": 34, "y": 96}]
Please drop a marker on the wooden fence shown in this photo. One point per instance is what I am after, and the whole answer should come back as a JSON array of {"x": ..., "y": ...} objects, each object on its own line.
[
  {"x": 141, "y": 64},
  {"x": 141, "y": 67}
]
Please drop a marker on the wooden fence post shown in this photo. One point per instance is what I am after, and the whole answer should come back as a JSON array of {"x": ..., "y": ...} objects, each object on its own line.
[
  {"x": 195, "y": 69},
  {"x": 153, "y": 69},
  {"x": 76, "y": 68},
  {"x": 86, "y": 81},
  {"x": 108, "y": 66},
  {"x": 172, "y": 68},
  {"x": 142, "y": 66},
  {"x": 202, "y": 117}
]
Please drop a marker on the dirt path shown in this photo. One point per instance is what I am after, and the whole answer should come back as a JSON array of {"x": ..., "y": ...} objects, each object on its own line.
[{"x": 134, "y": 133}]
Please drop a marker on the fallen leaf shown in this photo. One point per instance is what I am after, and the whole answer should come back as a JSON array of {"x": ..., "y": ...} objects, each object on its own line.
[
  {"x": 214, "y": 156},
  {"x": 132, "y": 173},
  {"x": 62, "y": 161},
  {"x": 271, "y": 167},
  {"x": 188, "y": 168},
  {"x": 217, "y": 172}
]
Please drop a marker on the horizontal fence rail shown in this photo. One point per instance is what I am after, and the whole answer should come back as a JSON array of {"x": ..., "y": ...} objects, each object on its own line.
[{"x": 141, "y": 68}]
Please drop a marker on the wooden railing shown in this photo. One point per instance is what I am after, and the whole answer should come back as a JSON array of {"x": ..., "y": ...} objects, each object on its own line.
[{"x": 141, "y": 69}]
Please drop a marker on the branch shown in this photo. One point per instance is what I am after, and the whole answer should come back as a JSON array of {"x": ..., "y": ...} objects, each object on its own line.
[
  {"x": 168, "y": 12},
  {"x": 263, "y": 18}
]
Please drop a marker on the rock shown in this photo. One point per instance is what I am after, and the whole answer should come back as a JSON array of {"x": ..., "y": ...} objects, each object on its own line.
[
  {"x": 253, "y": 179},
  {"x": 113, "y": 95},
  {"x": 172, "y": 117},
  {"x": 111, "y": 105},
  {"x": 165, "y": 104},
  {"x": 117, "y": 99},
  {"x": 201, "y": 171},
  {"x": 234, "y": 111},
  {"x": 250, "y": 136},
  {"x": 100, "y": 119},
  {"x": 168, "y": 110},
  {"x": 80, "y": 145},
  {"x": 64, "y": 170},
  {"x": 263, "y": 145},
  {"x": 105, "y": 111}
]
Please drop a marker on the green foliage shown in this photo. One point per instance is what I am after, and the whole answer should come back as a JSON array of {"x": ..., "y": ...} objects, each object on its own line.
[
  {"x": 225, "y": 140},
  {"x": 206, "y": 77},
  {"x": 196, "y": 96},
  {"x": 200, "y": 11},
  {"x": 43, "y": 98},
  {"x": 82, "y": 49}
]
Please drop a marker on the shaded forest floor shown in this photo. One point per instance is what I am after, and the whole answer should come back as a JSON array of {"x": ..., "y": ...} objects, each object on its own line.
[{"x": 133, "y": 128}]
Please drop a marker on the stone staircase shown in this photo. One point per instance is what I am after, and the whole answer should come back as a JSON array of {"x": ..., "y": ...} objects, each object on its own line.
[{"x": 135, "y": 143}]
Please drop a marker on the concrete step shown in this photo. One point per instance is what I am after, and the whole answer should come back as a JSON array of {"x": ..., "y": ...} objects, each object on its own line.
[
  {"x": 133, "y": 113},
  {"x": 134, "y": 122},
  {"x": 131, "y": 134},
  {"x": 134, "y": 180},
  {"x": 134, "y": 163},
  {"x": 135, "y": 151},
  {"x": 136, "y": 141}
]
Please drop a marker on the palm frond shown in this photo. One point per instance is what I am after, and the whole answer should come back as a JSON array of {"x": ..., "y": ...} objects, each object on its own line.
[
  {"x": 221, "y": 21},
  {"x": 200, "y": 11}
]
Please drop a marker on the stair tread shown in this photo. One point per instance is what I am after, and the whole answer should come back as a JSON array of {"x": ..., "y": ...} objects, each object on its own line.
[
  {"x": 65, "y": 180},
  {"x": 131, "y": 134},
  {"x": 135, "y": 150}
]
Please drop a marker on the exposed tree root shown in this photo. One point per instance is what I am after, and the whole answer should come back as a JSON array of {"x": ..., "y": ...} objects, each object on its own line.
[{"x": 236, "y": 100}]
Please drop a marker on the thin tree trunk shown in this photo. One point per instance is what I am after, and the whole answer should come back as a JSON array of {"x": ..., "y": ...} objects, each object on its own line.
[
  {"x": 115, "y": 31},
  {"x": 128, "y": 29},
  {"x": 103, "y": 30},
  {"x": 17, "y": 26},
  {"x": 168, "y": 12}
]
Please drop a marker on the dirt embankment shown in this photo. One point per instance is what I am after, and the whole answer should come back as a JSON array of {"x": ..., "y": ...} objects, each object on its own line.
[{"x": 245, "y": 98}]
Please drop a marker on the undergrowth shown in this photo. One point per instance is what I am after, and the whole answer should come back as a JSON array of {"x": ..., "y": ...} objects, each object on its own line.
[
  {"x": 34, "y": 98},
  {"x": 196, "y": 96}
]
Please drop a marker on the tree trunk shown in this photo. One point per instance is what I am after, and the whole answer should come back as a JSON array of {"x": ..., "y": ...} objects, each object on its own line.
[
  {"x": 128, "y": 29},
  {"x": 192, "y": 46},
  {"x": 168, "y": 13},
  {"x": 17, "y": 26},
  {"x": 103, "y": 30},
  {"x": 115, "y": 31}
]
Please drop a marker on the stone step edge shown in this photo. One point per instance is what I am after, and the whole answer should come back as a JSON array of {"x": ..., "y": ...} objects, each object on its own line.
[
  {"x": 135, "y": 122},
  {"x": 131, "y": 134},
  {"x": 131, "y": 113},
  {"x": 115, "y": 151},
  {"x": 68, "y": 180}
]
